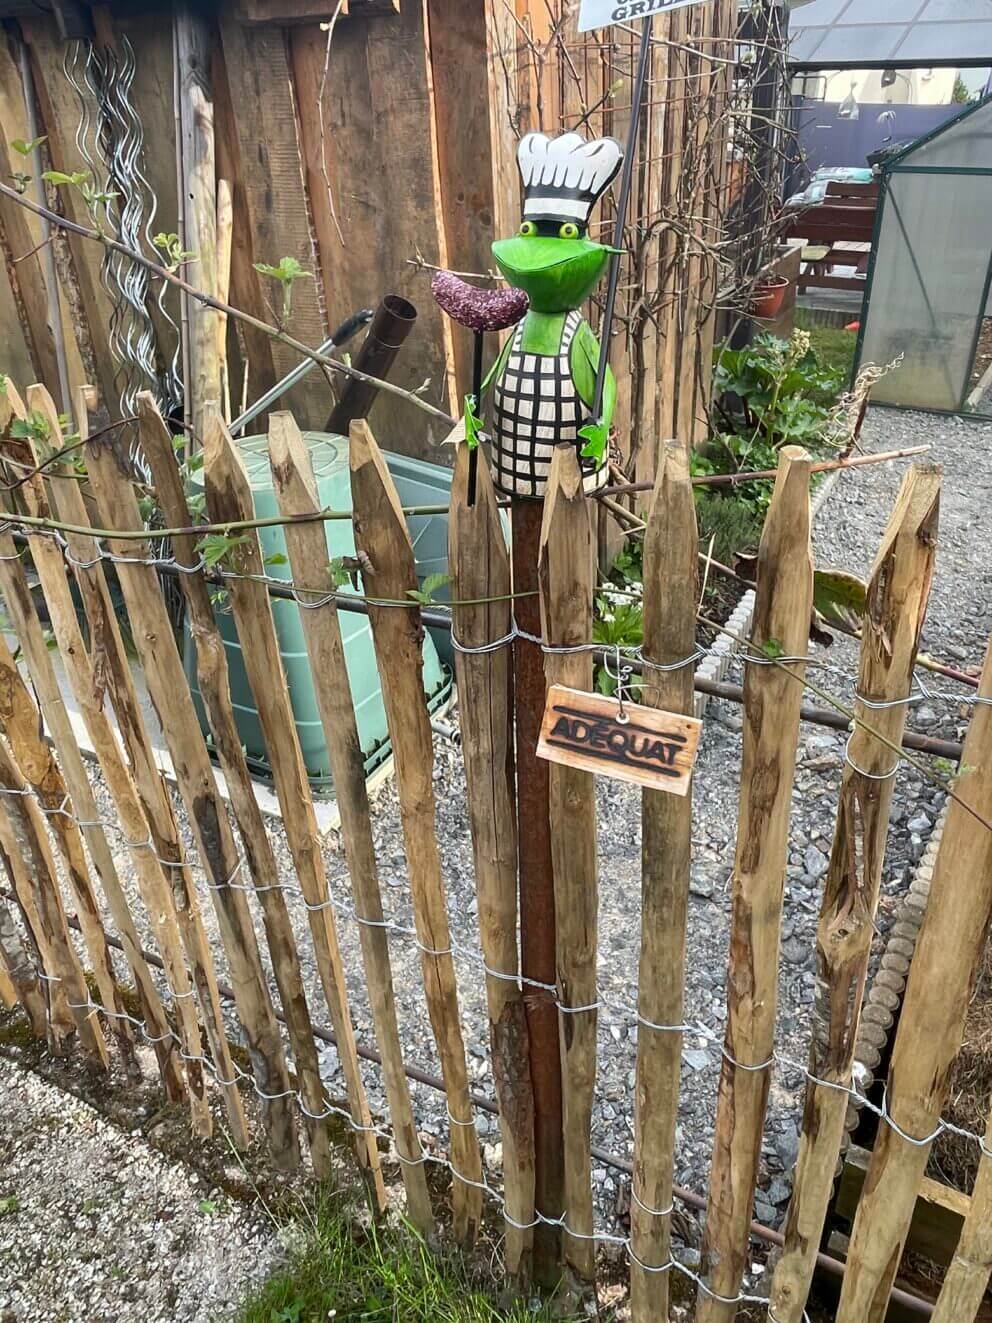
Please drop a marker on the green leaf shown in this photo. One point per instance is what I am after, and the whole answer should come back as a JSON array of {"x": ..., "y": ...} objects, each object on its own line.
[
  {"x": 276, "y": 559},
  {"x": 288, "y": 270},
  {"x": 207, "y": 1207},
  {"x": 772, "y": 648},
  {"x": 473, "y": 423},
  {"x": 595, "y": 434},
  {"x": 338, "y": 573},
  {"x": 23, "y": 148},
  {"x": 840, "y": 598},
  {"x": 215, "y": 547},
  {"x": 58, "y": 177},
  {"x": 10, "y": 1203}
]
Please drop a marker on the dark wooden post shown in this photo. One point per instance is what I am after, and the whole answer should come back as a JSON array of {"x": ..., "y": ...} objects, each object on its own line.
[{"x": 537, "y": 895}]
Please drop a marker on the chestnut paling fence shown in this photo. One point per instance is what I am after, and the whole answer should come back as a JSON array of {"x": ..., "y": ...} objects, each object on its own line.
[{"x": 88, "y": 985}]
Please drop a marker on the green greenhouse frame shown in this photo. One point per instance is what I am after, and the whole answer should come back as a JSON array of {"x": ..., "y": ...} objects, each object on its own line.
[{"x": 930, "y": 272}]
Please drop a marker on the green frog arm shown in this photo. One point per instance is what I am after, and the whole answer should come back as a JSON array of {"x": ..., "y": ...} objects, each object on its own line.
[{"x": 584, "y": 360}]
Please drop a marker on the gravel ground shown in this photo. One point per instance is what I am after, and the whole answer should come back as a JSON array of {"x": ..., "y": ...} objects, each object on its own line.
[
  {"x": 95, "y": 1224},
  {"x": 846, "y": 536}
]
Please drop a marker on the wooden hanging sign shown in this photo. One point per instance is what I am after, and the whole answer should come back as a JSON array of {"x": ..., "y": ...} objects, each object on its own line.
[{"x": 650, "y": 748}]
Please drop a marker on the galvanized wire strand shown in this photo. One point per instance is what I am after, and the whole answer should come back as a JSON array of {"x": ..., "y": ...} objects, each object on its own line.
[{"x": 616, "y": 1009}]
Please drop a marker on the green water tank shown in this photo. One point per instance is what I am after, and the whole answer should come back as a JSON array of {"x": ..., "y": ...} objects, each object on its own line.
[{"x": 418, "y": 483}]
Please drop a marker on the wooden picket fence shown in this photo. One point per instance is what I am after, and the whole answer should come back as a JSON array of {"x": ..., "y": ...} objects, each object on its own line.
[{"x": 58, "y": 857}]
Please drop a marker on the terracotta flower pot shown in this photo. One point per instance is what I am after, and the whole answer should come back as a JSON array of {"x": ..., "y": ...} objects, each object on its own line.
[{"x": 768, "y": 297}]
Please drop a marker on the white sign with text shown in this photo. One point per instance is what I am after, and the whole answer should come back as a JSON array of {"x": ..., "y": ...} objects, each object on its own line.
[{"x": 602, "y": 13}]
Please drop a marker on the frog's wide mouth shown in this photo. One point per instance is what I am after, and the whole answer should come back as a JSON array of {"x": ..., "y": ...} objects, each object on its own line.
[{"x": 526, "y": 254}]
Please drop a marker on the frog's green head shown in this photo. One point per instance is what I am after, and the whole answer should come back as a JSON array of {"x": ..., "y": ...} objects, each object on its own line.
[
  {"x": 551, "y": 257},
  {"x": 558, "y": 267}
]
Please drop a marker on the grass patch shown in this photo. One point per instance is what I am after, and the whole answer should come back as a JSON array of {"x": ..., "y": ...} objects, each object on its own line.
[
  {"x": 355, "y": 1273},
  {"x": 834, "y": 346}
]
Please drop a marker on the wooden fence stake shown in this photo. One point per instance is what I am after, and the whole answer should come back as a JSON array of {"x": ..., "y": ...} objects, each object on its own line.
[
  {"x": 20, "y": 723},
  {"x": 565, "y": 574},
  {"x": 941, "y": 981},
  {"x": 537, "y": 894},
  {"x": 670, "y": 570},
  {"x": 8, "y": 993},
  {"x": 27, "y": 627},
  {"x": 898, "y": 593},
  {"x": 480, "y": 568},
  {"x": 967, "y": 1276},
  {"x": 18, "y": 961},
  {"x": 382, "y": 535},
  {"x": 229, "y": 498},
  {"x": 157, "y": 890},
  {"x": 66, "y": 499},
  {"x": 173, "y": 702},
  {"x": 20, "y": 975},
  {"x": 772, "y": 700},
  {"x": 292, "y": 476},
  {"x": 27, "y": 828},
  {"x": 212, "y": 674}
]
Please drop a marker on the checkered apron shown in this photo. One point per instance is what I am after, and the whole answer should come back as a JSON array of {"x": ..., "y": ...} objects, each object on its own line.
[{"x": 536, "y": 408}]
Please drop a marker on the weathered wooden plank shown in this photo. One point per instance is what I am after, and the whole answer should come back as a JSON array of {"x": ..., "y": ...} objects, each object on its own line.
[
  {"x": 382, "y": 535},
  {"x": 377, "y": 125},
  {"x": 258, "y": 75},
  {"x": 292, "y": 476},
  {"x": 565, "y": 577},
  {"x": 772, "y": 700},
  {"x": 457, "y": 51},
  {"x": 480, "y": 568},
  {"x": 254, "y": 347},
  {"x": 948, "y": 952},
  {"x": 898, "y": 593},
  {"x": 22, "y": 233},
  {"x": 59, "y": 110},
  {"x": 199, "y": 174},
  {"x": 670, "y": 573},
  {"x": 214, "y": 685},
  {"x": 228, "y": 491}
]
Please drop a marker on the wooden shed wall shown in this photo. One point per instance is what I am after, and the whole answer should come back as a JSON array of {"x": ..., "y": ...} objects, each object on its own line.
[{"x": 414, "y": 127}]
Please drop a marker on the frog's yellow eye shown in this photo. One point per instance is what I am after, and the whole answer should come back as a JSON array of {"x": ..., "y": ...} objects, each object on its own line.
[
  {"x": 528, "y": 229},
  {"x": 569, "y": 231}
]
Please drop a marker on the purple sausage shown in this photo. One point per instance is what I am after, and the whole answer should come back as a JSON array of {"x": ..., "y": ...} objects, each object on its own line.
[{"x": 478, "y": 309}]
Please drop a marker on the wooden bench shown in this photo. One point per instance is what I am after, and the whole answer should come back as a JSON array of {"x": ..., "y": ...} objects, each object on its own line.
[{"x": 838, "y": 232}]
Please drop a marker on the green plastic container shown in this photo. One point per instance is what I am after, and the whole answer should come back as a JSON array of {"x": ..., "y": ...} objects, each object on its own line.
[{"x": 418, "y": 483}]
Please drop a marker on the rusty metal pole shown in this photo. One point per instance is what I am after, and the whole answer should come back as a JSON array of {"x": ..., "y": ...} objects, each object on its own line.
[{"x": 537, "y": 895}]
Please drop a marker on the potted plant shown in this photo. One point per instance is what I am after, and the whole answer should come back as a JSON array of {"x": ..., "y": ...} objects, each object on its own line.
[{"x": 768, "y": 296}]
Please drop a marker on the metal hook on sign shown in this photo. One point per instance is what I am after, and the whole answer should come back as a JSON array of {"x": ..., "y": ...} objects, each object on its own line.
[{"x": 622, "y": 678}]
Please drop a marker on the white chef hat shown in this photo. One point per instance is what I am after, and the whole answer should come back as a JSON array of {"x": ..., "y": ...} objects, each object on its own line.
[{"x": 564, "y": 177}]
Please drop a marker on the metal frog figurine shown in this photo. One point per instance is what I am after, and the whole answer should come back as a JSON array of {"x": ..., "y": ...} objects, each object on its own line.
[{"x": 543, "y": 383}]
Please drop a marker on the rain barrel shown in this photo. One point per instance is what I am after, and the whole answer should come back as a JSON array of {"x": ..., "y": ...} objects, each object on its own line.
[{"x": 418, "y": 483}]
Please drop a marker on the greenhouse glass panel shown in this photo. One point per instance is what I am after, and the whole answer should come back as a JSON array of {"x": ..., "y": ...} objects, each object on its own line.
[
  {"x": 929, "y": 287},
  {"x": 929, "y": 279}
]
